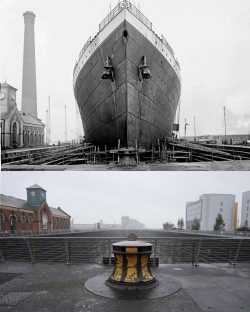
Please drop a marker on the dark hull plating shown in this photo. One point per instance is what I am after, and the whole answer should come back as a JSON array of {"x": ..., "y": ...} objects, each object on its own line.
[{"x": 127, "y": 109}]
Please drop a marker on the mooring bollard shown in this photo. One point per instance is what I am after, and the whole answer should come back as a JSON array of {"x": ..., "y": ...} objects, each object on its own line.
[
  {"x": 131, "y": 277},
  {"x": 132, "y": 269}
]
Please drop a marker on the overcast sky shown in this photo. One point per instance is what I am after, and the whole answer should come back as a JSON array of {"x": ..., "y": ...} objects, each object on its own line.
[
  {"x": 211, "y": 39},
  {"x": 150, "y": 197}
]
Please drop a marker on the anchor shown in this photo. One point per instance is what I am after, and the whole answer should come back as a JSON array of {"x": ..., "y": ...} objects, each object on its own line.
[
  {"x": 108, "y": 72},
  {"x": 144, "y": 70}
]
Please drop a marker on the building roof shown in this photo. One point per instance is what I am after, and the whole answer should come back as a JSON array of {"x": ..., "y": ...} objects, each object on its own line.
[
  {"x": 6, "y": 85},
  {"x": 58, "y": 212},
  {"x": 35, "y": 186},
  {"x": 14, "y": 202},
  {"x": 28, "y": 119},
  {"x": 217, "y": 194},
  {"x": 246, "y": 192},
  {"x": 191, "y": 203}
]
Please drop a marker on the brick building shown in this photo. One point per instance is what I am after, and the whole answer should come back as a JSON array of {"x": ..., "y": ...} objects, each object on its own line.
[
  {"x": 31, "y": 216},
  {"x": 18, "y": 129}
]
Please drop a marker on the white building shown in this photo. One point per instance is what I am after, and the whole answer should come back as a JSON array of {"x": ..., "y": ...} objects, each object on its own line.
[
  {"x": 245, "y": 209},
  {"x": 208, "y": 207},
  {"x": 131, "y": 224}
]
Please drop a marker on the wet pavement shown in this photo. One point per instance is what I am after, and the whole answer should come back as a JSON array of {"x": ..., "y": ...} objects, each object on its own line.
[{"x": 60, "y": 287}]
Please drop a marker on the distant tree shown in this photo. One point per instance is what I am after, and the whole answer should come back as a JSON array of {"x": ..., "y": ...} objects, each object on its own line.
[
  {"x": 180, "y": 223},
  {"x": 243, "y": 228},
  {"x": 168, "y": 225},
  {"x": 196, "y": 224},
  {"x": 219, "y": 222}
]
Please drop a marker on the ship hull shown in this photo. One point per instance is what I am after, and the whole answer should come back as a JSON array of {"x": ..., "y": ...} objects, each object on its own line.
[{"x": 127, "y": 109}]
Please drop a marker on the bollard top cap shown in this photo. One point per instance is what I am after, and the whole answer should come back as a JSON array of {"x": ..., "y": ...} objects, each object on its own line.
[
  {"x": 132, "y": 237},
  {"x": 130, "y": 243}
]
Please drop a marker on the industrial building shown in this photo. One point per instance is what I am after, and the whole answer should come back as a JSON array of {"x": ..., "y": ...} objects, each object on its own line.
[
  {"x": 207, "y": 208},
  {"x": 245, "y": 218},
  {"x": 31, "y": 216},
  {"x": 22, "y": 128},
  {"x": 18, "y": 129}
]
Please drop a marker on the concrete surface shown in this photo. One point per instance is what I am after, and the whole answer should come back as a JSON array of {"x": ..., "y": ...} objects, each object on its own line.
[
  {"x": 163, "y": 286},
  {"x": 60, "y": 287},
  {"x": 233, "y": 165}
]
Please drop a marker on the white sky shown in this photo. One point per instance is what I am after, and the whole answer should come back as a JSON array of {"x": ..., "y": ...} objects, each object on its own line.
[
  {"x": 211, "y": 39},
  {"x": 150, "y": 197}
]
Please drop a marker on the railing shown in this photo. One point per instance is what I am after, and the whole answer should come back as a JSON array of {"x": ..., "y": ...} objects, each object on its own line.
[
  {"x": 125, "y": 4},
  {"x": 85, "y": 47},
  {"x": 165, "y": 42},
  {"x": 28, "y": 232},
  {"x": 94, "y": 249},
  {"x": 120, "y": 6},
  {"x": 110, "y": 16},
  {"x": 129, "y": 6}
]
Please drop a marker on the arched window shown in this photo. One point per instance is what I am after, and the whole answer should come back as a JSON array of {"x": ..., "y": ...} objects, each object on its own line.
[
  {"x": 2, "y": 222},
  {"x": 13, "y": 223},
  {"x": 14, "y": 135},
  {"x": 30, "y": 220},
  {"x": 31, "y": 138},
  {"x": 23, "y": 222},
  {"x": 23, "y": 219},
  {"x": 45, "y": 221}
]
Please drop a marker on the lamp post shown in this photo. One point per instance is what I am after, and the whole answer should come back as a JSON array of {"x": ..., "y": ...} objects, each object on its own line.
[
  {"x": 224, "y": 108},
  {"x": 185, "y": 128}
]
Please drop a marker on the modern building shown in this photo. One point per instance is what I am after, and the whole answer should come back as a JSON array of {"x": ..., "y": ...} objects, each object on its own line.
[
  {"x": 126, "y": 224},
  {"x": 207, "y": 208},
  {"x": 31, "y": 216},
  {"x": 245, "y": 209}
]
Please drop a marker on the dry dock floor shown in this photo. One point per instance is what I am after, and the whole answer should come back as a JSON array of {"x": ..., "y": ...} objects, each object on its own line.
[
  {"x": 58, "y": 287},
  {"x": 233, "y": 165}
]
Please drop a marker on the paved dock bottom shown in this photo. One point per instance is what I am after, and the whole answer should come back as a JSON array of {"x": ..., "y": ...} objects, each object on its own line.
[
  {"x": 60, "y": 287},
  {"x": 230, "y": 165}
]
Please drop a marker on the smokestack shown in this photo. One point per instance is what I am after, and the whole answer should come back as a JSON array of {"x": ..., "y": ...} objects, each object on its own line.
[{"x": 29, "y": 99}]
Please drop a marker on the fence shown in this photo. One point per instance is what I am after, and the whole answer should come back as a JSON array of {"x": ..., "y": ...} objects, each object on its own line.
[
  {"x": 120, "y": 6},
  {"x": 94, "y": 249}
]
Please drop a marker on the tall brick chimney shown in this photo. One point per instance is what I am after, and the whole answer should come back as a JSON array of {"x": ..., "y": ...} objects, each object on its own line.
[{"x": 29, "y": 99}]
